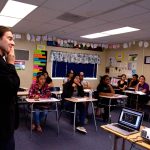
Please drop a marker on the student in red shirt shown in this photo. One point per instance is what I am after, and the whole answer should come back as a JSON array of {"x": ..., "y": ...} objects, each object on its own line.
[{"x": 38, "y": 90}]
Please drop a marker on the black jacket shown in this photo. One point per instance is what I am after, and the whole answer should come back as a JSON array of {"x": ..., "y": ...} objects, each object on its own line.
[
  {"x": 68, "y": 90},
  {"x": 9, "y": 85}
]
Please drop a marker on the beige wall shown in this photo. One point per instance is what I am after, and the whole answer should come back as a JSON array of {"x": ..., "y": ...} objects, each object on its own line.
[
  {"x": 26, "y": 75},
  {"x": 141, "y": 67}
]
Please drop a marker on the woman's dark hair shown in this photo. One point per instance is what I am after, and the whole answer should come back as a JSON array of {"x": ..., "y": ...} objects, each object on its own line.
[
  {"x": 39, "y": 74},
  {"x": 67, "y": 75},
  {"x": 4, "y": 29},
  {"x": 142, "y": 76},
  {"x": 135, "y": 75},
  {"x": 48, "y": 79},
  {"x": 103, "y": 78},
  {"x": 123, "y": 75},
  {"x": 44, "y": 71}
]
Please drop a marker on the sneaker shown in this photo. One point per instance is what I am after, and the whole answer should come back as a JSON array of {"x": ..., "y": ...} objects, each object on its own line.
[
  {"x": 39, "y": 129},
  {"x": 81, "y": 129},
  {"x": 33, "y": 127}
]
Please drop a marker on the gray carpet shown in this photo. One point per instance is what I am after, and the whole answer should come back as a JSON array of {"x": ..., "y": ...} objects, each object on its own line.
[{"x": 49, "y": 140}]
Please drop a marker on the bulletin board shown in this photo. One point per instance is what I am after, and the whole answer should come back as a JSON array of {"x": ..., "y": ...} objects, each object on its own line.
[
  {"x": 117, "y": 66},
  {"x": 39, "y": 62}
]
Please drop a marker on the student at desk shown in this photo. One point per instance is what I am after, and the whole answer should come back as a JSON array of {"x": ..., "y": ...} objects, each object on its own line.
[
  {"x": 39, "y": 90},
  {"x": 105, "y": 89},
  {"x": 134, "y": 81},
  {"x": 143, "y": 87},
  {"x": 122, "y": 84},
  {"x": 69, "y": 76},
  {"x": 48, "y": 79},
  {"x": 74, "y": 88}
]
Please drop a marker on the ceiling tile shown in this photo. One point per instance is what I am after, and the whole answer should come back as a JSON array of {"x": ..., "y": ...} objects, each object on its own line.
[
  {"x": 43, "y": 15},
  {"x": 128, "y": 11},
  {"x": 33, "y": 2},
  {"x": 64, "y": 5},
  {"x": 145, "y": 4},
  {"x": 24, "y": 26},
  {"x": 144, "y": 18},
  {"x": 96, "y": 6},
  {"x": 59, "y": 22}
]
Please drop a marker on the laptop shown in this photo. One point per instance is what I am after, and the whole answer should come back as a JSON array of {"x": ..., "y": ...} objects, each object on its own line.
[{"x": 129, "y": 122}]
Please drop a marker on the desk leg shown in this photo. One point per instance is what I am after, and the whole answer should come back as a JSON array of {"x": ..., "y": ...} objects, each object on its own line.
[
  {"x": 57, "y": 118},
  {"x": 31, "y": 120},
  {"x": 74, "y": 119},
  {"x": 109, "y": 119},
  {"x": 115, "y": 143},
  {"x": 94, "y": 116},
  {"x": 123, "y": 144},
  {"x": 137, "y": 99}
]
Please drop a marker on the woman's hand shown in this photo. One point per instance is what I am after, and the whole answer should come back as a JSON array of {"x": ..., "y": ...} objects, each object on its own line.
[{"x": 36, "y": 97}]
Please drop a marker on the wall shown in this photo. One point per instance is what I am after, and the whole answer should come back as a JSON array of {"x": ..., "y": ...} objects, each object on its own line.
[
  {"x": 26, "y": 75},
  {"x": 134, "y": 49}
]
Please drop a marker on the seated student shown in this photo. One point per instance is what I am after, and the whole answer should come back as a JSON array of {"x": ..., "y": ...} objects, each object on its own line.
[
  {"x": 69, "y": 76},
  {"x": 74, "y": 88},
  {"x": 143, "y": 87},
  {"x": 122, "y": 84},
  {"x": 85, "y": 83},
  {"x": 105, "y": 89},
  {"x": 38, "y": 90},
  {"x": 134, "y": 81},
  {"x": 48, "y": 79}
]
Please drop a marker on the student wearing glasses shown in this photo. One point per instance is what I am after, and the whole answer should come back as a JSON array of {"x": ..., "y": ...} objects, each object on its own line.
[{"x": 38, "y": 90}]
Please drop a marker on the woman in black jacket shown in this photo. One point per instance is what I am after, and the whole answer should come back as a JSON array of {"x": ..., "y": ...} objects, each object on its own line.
[
  {"x": 74, "y": 88},
  {"x": 9, "y": 85}
]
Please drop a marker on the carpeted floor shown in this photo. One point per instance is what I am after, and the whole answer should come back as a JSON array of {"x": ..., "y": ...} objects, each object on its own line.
[{"x": 49, "y": 140}]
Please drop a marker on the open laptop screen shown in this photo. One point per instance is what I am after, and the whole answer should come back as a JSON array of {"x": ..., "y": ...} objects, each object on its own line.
[{"x": 131, "y": 118}]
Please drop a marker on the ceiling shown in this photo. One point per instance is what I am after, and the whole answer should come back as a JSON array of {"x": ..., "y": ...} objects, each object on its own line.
[{"x": 70, "y": 19}]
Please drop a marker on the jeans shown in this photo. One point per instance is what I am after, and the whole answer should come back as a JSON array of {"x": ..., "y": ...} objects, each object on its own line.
[
  {"x": 39, "y": 115},
  {"x": 8, "y": 144},
  {"x": 80, "y": 108}
]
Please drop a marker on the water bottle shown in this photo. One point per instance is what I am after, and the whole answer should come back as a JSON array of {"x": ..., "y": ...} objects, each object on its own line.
[{"x": 90, "y": 94}]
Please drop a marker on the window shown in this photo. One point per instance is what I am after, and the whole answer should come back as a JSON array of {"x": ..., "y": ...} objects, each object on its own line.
[
  {"x": 63, "y": 62},
  {"x": 60, "y": 69}
]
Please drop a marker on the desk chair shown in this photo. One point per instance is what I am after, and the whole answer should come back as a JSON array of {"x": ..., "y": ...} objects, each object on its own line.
[
  {"x": 31, "y": 110},
  {"x": 53, "y": 89}
]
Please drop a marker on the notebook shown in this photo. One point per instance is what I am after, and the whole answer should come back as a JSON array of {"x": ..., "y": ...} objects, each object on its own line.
[{"x": 129, "y": 122}]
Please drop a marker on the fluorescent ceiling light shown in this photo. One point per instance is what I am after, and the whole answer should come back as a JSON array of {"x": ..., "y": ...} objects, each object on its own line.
[
  {"x": 8, "y": 21},
  {"x": 15, "y": 9},
  {"x": 110, "y": 32},
  {"x": 94, "y": 35}
]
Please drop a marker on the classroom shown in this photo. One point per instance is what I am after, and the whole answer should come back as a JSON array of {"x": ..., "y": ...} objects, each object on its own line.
[{"x": 84, "y": 68}]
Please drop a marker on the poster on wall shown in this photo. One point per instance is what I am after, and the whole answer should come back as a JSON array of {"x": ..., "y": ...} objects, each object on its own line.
[
  {"x": 132, "y": 57},
  {"x": 39, "y": 62},
  {"x": 119, "y": 56},
  {"x": 20, "y": 65}
]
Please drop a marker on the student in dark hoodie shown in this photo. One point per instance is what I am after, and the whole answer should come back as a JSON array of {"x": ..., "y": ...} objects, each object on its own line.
[{"x": 74, "y": 88}]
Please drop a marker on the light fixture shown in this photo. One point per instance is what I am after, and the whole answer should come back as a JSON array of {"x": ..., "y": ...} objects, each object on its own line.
[
  {"x": 15, "y": 9},
  {"x": 8, "y": 21},
  {"x": 110, "y": 32}
]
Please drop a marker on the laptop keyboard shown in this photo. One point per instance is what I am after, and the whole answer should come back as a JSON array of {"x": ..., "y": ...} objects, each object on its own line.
[{"x": 123, "y": 127}]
